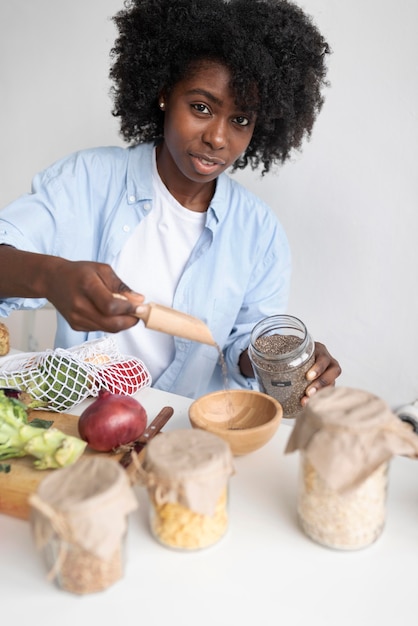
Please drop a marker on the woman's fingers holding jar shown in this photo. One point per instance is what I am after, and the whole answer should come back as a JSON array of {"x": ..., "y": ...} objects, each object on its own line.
[{"x": 323, "y": 372}]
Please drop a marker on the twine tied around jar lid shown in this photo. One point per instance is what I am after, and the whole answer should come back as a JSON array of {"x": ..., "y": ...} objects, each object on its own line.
[
  {"x": 187, "y": 467},
  {"x": 85, "y": 504},
  {"x": 346, "y": 434}
]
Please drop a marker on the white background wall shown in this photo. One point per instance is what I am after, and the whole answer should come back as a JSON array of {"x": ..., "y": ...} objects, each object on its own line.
[{"x": 348, "y": 202}]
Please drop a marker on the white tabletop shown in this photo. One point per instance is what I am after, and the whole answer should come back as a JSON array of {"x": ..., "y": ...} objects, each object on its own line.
[{"x": 264, "y": 572}]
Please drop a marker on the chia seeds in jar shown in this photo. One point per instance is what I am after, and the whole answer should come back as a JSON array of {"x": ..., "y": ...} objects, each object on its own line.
[{"x": 281, "y": 352}]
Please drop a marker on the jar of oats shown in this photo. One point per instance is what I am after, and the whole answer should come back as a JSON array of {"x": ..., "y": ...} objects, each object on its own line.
[
  {"x": 79, "y": 518},
  {"x": 281, "y": 351},
  {"x": 346, "y": 438},
  {"x": 345, "y": 521},
  {"x": 186, "y": 473}
]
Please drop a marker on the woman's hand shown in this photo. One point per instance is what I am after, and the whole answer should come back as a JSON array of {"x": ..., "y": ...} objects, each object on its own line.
[
  {"x": 84, "y": 293},
  {"x": 323, "y": 373}
]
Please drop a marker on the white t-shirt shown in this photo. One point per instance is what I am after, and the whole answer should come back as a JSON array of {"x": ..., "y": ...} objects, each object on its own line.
[{"x": 151, "y": 263}]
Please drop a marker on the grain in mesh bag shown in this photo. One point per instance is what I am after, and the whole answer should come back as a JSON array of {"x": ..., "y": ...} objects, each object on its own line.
[{"x": 63, "y": 378}]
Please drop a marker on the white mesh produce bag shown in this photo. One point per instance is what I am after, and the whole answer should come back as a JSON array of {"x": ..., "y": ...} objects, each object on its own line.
[
  {"x": 116, "y": 372},
  {"x": 64, "y": 378}
]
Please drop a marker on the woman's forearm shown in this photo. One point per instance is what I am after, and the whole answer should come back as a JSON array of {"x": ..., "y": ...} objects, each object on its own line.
[{"x": 24, "y": 274}]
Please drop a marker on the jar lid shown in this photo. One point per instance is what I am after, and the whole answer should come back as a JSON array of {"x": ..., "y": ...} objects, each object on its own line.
[
  {"x": 347, "y": 433},
  {"x": 347, "y": 408},
  {"x": 187, "y": 466},
  {"x": 279, "y": 338},
  {"x": 86, "y": 503},
  {"x": 187, "y": 452}
]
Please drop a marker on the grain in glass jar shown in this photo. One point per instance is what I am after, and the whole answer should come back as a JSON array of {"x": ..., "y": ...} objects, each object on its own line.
[
  {"x": 346, "y": 438},
  {"x": 186, "y": 473},
  {"x": 345, "y": 521},
  {"x": 79, "y": 524},
  {"x": 281, "y": 351}
]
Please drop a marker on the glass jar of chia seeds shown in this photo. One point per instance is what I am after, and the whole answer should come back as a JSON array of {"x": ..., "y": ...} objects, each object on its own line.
[{"x": 281, "y": 351}]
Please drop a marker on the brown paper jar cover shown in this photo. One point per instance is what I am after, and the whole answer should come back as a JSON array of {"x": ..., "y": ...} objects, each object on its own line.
[
  {"x": 347, "y": 433},
  {"x": 79, "y": 521}
]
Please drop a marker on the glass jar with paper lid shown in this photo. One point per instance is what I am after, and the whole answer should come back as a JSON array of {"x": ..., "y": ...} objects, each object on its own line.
[
  {"x": 187, "y": 473},
  {"x": 346, "y": 438},
  {"x": 79, "y": 521}
]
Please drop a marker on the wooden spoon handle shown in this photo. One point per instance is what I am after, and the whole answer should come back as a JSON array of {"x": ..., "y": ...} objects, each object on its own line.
[{"x": 153, "y": 429}]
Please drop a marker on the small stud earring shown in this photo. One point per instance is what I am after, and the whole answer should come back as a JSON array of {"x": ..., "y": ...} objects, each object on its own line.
[{"x": 162, "y": 106}]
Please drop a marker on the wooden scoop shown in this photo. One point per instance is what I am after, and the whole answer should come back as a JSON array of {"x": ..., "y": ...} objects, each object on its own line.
[
  {"x": 173, "y": 322},
  {"x": 153, "y": 429}
]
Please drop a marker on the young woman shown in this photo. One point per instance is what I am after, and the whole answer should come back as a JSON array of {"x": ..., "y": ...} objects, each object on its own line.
[{"x": 200, "y": 87}]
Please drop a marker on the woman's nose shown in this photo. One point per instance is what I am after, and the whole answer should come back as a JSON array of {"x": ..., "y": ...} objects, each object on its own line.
[{"x": 215, "y": 134}]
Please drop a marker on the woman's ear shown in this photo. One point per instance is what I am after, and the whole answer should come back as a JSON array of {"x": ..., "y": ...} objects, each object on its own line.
[{"x": 162, "y": 100}]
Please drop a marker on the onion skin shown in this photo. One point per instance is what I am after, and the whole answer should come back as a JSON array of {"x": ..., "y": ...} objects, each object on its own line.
[
  {"x": 11, "y": 392},
  {"x": 112, "y": 420}
]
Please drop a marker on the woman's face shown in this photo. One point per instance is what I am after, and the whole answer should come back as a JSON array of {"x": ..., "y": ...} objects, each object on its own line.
[{"x": 204, "y": 130}]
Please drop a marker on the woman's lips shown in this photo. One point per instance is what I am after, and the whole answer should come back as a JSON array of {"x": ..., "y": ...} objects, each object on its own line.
[{"x": 206, "y": 164}]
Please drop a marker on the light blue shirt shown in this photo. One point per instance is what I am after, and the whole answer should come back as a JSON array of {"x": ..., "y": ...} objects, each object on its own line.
[{"x": 85, "y": 206}]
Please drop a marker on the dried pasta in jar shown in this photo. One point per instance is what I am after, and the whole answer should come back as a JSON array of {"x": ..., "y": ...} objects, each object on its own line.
[
  {"x": 177, "y": 526},
  {"x": 186, "y": 473}
]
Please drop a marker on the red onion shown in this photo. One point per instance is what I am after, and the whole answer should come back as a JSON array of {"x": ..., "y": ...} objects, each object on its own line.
[
  {"x": 11, "y": 392},
  {"x": 112, "y": 420}
]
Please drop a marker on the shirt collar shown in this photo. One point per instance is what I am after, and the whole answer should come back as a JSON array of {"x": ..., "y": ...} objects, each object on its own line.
[
  {"x": 139, "y": 180},
  {"x": 219, "y": 203},
  {"x": 139, "y": 174}
]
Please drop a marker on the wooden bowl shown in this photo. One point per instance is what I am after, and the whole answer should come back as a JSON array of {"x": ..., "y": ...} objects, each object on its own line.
[{"x": 246, "y": 419}]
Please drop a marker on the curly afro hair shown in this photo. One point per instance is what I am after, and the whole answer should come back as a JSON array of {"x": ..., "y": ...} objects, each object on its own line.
[{"x": 275, "y": 54}]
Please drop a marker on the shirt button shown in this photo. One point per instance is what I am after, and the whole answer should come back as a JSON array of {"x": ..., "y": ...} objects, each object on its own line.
[
  {"x": 126, "y": 228},
  {"x": 147, "y": 206},
  {"x": 131, "y": 198}
]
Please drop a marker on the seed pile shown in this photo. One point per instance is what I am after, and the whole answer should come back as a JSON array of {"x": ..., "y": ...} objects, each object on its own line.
[
  {"x": 81, "y": 572},
  {"x": 277, "y": 344}
]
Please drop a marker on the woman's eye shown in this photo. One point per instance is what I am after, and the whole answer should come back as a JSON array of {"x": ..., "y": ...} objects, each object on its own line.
[
  {"x": 242, "y": 121},
  {"x": 201, "y": 108}
]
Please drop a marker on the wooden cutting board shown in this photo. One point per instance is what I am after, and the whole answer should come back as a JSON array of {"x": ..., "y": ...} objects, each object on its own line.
[{"x": 23, "y": 479}]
